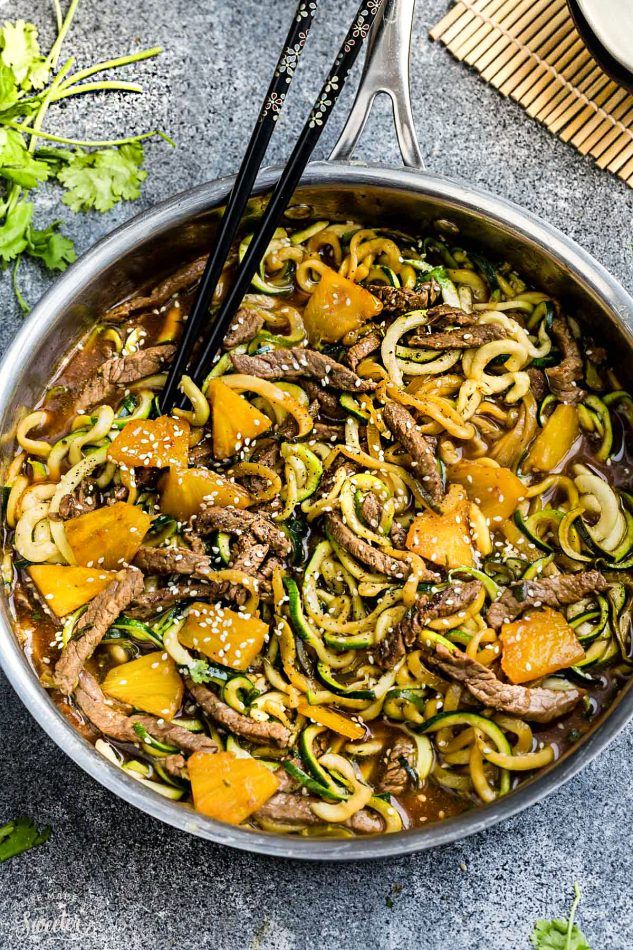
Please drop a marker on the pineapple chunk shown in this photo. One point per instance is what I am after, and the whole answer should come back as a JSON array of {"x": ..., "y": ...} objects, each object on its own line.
[
  {"x": 337, "y": 306},
  {"x": 444, "y": 539},
  {"x": 538, "y": 644},
  {"x": 229, "y": 788},
  {"x": 223, "y": 635},
  {"x": 183, "y": 492},
  {"x": 66, "y": 588},
  {"x": 152, "y": 443},
  {"x": 234, "y": 420},
  {"x": 108, "y": 536},
  {"x": 151, "y": 683}
]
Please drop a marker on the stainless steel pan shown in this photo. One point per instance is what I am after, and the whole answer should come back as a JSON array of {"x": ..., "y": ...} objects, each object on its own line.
[{"x": 159, "y": 240}]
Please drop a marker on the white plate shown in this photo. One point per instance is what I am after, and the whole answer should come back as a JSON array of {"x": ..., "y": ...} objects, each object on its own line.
[{"x": 612, "y": 23}]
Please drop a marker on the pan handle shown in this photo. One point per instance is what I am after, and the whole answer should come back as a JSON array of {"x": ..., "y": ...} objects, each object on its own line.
[{"x": 386, "y": 70}]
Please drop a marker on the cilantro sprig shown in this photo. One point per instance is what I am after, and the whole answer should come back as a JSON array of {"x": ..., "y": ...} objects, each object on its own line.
[
  {"x": 560, "y": 934},
  {"x": 95, "y": 175},
  {"x": 20, "y": 835}
]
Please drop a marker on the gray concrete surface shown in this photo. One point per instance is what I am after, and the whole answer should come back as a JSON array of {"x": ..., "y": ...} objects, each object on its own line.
[{"x": 111, "y": 878}]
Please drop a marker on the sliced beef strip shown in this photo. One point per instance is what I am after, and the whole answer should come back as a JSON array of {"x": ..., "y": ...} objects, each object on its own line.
[
  {"x": 250, "y": 554},
  {"x": 297, "y": 362},
  {"x": 536, "y": 703},
  {"x": 367, "y": 345},
  {"x": 175, "y": 765},
  {"x": 120, "y": 370},
  {"x": 202, "y": 452},
  {"x": 397, "y": 300},
  {"x": 255, "y": 731},
  {"x": 395, "y": 778},
  {"x": 72, "y": 507},
  {"x": 190, "y": 563},
  {"x": 371, "y": 510},
  {"x": 373, "y": 557},
  {"x": 446, "y": 315},
  {"x": 463, "y": 338},
  {"x": 245, "y": 325},
  {"x": 120, "y": 727},
  {"x": 94, "y": 624},
  {"x": 173, "y": 734},
  {"x": 152, "y": 602},
  {"x": 443, "y": 603},
  {"x": 404, "y": 429},
  {"x": 538, "y": 383},
  {"x": 294, "y": 808},
  {"x": 237, "y": 521},
  {"x": 181, "y": 280},
  {"x": 554, "y": 592},
  {"x": 564, "y": 378},
  {"x": 327, "y": 399},
  {"x": 327, "y": 432}
]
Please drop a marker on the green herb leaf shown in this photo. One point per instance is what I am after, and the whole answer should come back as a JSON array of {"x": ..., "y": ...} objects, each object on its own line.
[
  {"x": 20, "y": 835},
  {"x": 53, "y": 248},
  {"x": 8, "y": 88},
  {"x": 200, "y": 672},
  {"x": 21, "y": 53},
  {"x": 101, "y": 178},
  {"x": 16, "y": 162},
  {"x": 13, "y": 231},
  {"x": 560, "y": 934}
]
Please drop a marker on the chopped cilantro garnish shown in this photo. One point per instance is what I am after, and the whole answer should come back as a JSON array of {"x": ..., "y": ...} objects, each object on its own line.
[
  {"x": 20, "y": 835},
  {"x": 560, "y": 934},
  {"x": 30, "y": 84}
]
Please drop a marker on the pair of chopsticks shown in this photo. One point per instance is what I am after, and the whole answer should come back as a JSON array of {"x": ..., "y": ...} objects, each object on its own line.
[{"x": 197, "y": 327}]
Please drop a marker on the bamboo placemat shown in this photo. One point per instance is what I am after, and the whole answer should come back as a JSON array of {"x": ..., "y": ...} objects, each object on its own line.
[{"x": 531, "y": 51}]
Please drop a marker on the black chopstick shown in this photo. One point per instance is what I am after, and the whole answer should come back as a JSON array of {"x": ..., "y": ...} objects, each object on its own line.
[
  {"x": 240, "y": 193},
  {"x": 287, "y": 183}
]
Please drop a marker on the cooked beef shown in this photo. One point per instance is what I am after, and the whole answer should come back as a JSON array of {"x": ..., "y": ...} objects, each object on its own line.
[
  {"x": 120, "y": 370},
  {"x": 173, "y": 560},
  {"x": 72, "y": 506},
  {"x": 548, "y": 592},
  {"x": 175, "y": 765},
  {"x": 328, "y": 432},
  {"x": 296, "y": 363},
  {"x": 397, "y": 300},
  {"x": 443, "y": 603},
  {"x": 373, "y": 557},
  {"x": 151, "y": 602},
  {"x": 115, "y": 724},
  {"x": 94, "y": 624},
  {"x": 244, "y": 326},
  {"x": 202, "y": 452},
  {"x": 252, "y": 729},
  {"x": 182, "y": 279},
  {"x": 236, "y": 521},
  {"x": 367, "y": 345},
  {"x": 395, "y": 778},
  {"x": 371, "y": 510},
  {"x": 462, "y": 338},
  {"x": 537, "y": 704},
  {"x": 294, "y": 808},
  {"x": 101, "y": 712},
  {"x": 404, "y": 428},
  {"x": 538, "y": 383},
  {"x": 250, "y": 554},
  {"x": 327, "y": 399},
  {"x": 190, "y": 563},
  {"x": 173, "y": 734},
  {"x": 564, "y": 378},
  {"x": 450, "y": 316},
  {"x": 146, "y": 477}
]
